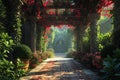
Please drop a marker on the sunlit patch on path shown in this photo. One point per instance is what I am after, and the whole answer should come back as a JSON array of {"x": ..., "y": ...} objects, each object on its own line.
[{"x": 60, "y": 69}]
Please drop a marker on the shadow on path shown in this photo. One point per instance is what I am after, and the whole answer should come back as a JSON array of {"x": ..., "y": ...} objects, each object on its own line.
[{"x": 60, "y": 69}]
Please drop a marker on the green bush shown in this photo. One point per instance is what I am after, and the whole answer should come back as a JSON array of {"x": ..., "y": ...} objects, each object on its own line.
[
  {"x": 7, "y": 68},
  {"x": 103, "y": 40},
  {"x": 22, "y": 51},
  {"x": 8, "y": 72},
  {"x": 34, "y": 62},
  {"x": 111, "y": 69},
  {"x": 6, "y": 44},
  {"x": 50, "y": 53},
  {"x": 86, "y": 44}
]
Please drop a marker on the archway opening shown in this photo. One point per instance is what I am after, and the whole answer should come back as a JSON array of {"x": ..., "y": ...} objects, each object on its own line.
[{"x": 61, "y": 38}]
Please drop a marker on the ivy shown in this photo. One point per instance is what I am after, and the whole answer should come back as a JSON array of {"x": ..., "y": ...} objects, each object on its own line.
[{"x": 13, "y": 21}]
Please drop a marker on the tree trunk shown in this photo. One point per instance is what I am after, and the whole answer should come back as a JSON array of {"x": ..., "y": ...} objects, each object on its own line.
[
  {"x": 29, "y": 33},
  {"x": 79, "y": 32},
  {"x": 77, "y": 37},
  {"x": 116, "y": 31},
  {"x": 93, "y": 32}
]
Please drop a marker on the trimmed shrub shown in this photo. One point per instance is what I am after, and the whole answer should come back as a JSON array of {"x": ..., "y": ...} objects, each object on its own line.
[{"x": 22, "y": 51}]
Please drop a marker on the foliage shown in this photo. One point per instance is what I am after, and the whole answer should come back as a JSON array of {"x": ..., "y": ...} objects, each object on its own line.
[
  {"x": 50, "y": 53},
  {"x": 17, "y": 29},
  {"x": 5, "y": 45},
  {"x": 8, "y": 72},
  {"x": 2, "y": 10},
  {"x": 77, "y": 55},
  {"x": 107, "y": 50},
  {"x": 47, "y": 54},
  {"x": 43, "y": 44},
  {"x": 87, "y": 59},
  {"x": 116, "y": 53},
  {"x": 60, "y": 39},
  {"x": 7, "y": 68},
  {"x": 34, "y": 61},
  {"x": 84, "y": 58},
  {"x": 86, "y": 43},
  {"x": 22, "y": 51},
  {"x": 111, "y": 63},
  {"x": 2, "y": 17},
  {"x": 97, "y": 60},
  {"x": 103, "y": 39},
  {"x": 90, "y": 60},
  {"x": 12, "y": 19},
  {"x": 39, "y": 36},
  {"x": 111, "y": 69},
  {"x": 38, "y": 55}
]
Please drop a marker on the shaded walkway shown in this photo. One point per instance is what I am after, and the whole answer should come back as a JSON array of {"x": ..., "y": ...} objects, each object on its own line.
[{"x": 60, "y": 69}]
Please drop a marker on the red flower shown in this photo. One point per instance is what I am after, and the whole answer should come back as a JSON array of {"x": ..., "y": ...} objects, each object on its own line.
[{"x": 30, "y": 2}]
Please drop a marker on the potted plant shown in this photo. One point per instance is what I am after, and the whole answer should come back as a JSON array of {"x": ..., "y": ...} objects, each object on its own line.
[{"x": 24, "y": 53}]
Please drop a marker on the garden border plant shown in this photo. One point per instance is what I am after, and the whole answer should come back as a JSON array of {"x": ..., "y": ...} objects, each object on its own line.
[
  {"x": 24, "y": 53},
  {"x": 7, "y": 68}
]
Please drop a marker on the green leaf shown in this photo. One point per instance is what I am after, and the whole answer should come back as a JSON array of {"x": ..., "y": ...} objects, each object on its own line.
[
  {"x": 117, "y": 74},
  {"x": 106, "y": 63},
  {"x": 117, "y": 66}
]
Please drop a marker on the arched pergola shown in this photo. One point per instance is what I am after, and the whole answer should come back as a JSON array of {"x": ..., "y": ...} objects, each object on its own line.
[{"x": 79, "y": 13}]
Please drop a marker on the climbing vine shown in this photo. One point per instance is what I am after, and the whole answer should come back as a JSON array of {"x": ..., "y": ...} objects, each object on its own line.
[{"x": 13, "y": 21}]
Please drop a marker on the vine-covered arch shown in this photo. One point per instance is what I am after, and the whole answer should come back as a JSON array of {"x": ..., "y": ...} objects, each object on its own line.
[{"x": 75, "y": 12}]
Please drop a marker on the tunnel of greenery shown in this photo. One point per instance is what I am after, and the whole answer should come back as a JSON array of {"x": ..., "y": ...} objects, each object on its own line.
[{"x": 87, "y": 30}]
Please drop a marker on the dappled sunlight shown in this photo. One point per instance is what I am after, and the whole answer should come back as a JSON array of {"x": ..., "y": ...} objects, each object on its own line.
[
  {"x": 61, "y": 69},
  {"x": 59, "y": 39}
]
